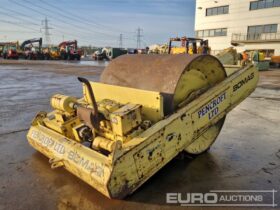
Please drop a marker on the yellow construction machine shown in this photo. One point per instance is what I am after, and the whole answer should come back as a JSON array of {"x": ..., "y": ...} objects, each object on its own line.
[
  {"x": 52, "y": 53},
  {"x": 188, "y": 46},
  {"x": 145, "y": 110}
]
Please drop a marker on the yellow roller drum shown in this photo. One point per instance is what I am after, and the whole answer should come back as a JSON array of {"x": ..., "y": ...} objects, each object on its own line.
[{"x": 180, "y": 79}]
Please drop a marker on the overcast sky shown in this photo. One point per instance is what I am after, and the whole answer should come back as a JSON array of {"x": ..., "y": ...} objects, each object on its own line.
[{"x": 97, "y": 22}]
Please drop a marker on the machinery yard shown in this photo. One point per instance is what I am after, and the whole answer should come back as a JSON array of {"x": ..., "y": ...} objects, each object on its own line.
[
  {"x": 141, "y": 105},
  {"x": 245, "y": 156}
]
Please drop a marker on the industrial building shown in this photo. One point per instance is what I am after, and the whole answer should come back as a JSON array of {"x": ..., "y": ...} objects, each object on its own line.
[{"x": 245, "y": 24}]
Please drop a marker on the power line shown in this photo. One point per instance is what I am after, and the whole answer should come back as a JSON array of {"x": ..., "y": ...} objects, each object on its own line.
[
  {"x": 13, "y": 31},
  {"x": 17, "y": 12},
  {"x": 145, "y": 42},
  {"x": 70, "y": 18},
  {"x": 76, "y": 18},
  {"x": 12, "y": 16},
  {"x": 85, "y": 32},
  {"x": 35, "y": 31},
  {"x": 84, "y": 20},
  {"x": 17, "y": 24},
  {"x": 46, "y": 30},
  {"x": 121, "y": 41},
  {"x": 77, "y": 27},
  {"x": 138, "y": 37},
  {"x": 28, "y": 21}
]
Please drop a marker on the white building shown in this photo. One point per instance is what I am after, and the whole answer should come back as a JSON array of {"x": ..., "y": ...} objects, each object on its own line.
[{"x": 246, "y": 24}]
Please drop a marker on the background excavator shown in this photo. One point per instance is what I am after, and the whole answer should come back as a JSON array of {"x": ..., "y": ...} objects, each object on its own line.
[
  {"x": 69, "y": 50},
  {"x": 188, "y": 46},
  {"x": 30, "y": 51}
]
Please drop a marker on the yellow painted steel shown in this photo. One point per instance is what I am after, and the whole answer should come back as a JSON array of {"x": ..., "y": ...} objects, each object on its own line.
[
  {"x": 178, "y": 50},
  {"x": 54, "y": 54},
  {"x": 202, "y": 75},
  {"x": 125, "y": 119},
  {"x": 151, "y": 101},
  {"x": 128, "y": 164},
  {"x": 63, "y": 103}
]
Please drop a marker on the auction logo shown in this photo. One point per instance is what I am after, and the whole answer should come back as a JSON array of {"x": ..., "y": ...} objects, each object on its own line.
[{"x": 252, "y": 198}]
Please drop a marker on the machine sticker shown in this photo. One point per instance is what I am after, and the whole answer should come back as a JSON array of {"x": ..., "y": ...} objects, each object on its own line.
[
  {"x": 243, "y": 82},
  {"x": 71, "y": 155},
  {"x": 212, "y": 108}
]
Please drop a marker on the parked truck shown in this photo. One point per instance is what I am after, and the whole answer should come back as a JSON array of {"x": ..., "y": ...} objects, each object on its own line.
[
  {"x": 112, "y": 52},
  {"x": 108, "y": 53},
  {"x": 100, "y": 54}
]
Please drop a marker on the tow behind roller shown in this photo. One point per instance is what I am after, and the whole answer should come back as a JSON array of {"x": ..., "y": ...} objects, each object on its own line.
[{"x": 145, "y": 110}]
